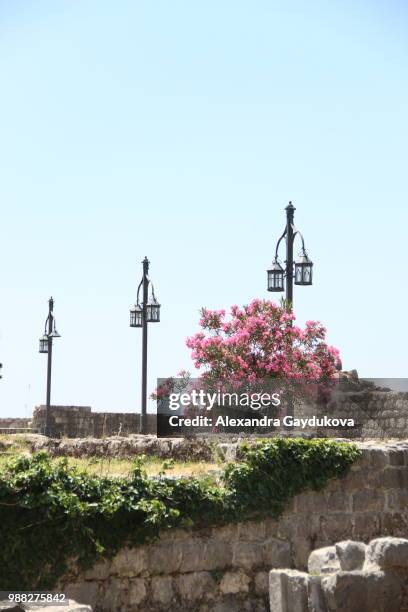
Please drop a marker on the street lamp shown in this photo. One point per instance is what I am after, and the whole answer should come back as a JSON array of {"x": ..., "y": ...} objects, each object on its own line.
[
  {"x": 50, "y": 332},
  {"x": 142, "y": 313},
  {"x": 303, "y": 270},
  {"x": 275, "y": 277},
  {"x": 303, "y": 267}
]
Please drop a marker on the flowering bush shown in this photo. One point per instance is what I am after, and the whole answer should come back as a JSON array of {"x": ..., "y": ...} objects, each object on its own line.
[{"x": 258, "y": 342}]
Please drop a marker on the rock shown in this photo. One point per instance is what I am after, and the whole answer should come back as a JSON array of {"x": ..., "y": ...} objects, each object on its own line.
[
  {"x": 351, "y": 555},
  {"x": 179, "y": 449},
  {"x": 362, "y": 591},
  {"x": 386, "y": 553},
  {"x": 345, "y": 592},
  {"x": 323, "y": 561}
]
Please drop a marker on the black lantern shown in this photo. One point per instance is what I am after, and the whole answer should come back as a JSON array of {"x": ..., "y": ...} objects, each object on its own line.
[
  {"x": 153, "y": 310},
  {"x": 136, "y": 316},
  {"x": 303, "y": 270},
  {"x": 275, "y": 277},
  {"x": 44, "y": 344}
]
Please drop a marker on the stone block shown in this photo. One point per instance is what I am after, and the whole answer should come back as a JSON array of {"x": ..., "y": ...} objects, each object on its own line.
[
  {"x": 323, "y": 561},
  {"x": 395, "y": 478},
  {"x": 277, "y": 553},
  {"x": 227, "y": 532},
  {"x": 252, "y": 531},
  {"x": 200, "y": 555},
  {"x": 137, "y": 591},
  {"x": 100, "y": 571},
  {"x": 315, "y": 596},
  {"x": 113, "y": 594},
  {"x": 366, "y": 525},
  {"x": 288, "y": 590},
  {"x": 234, "y": 582},
  {"x": 360, "y": 591},
  {"x": 164, "y": 558},
  {"x": 311, "y": 502},
  {"x": 351, "y": 555},
  {"x": 345, "y": 592},
  {"x": 397, "y": 457},
  {"x": 134, "y": 561},
  {"x": 247, "y": 554},
  {"x": 338, "y": 501},
  {"x": 197, "y": 585},
  {"x": 368, "y": 499},
  {"x": 397, "y": 499},
  {"x": 379, "y": 457},
  {"x": 394, "y": 524},
  {"x": 355, "y": 481},
  {"x": 387, "y": 553},
  {"x": 162, "y": 589}
]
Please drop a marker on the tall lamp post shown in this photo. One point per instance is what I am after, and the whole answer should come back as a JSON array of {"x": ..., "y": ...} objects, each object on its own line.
[
  {"x": 142, "y": 313},
  {"x": 50, "y": 332},
  {"x": 300, "y": 271}
]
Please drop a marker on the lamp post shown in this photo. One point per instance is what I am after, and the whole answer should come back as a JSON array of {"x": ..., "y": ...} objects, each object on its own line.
[
  {"x": 300, "y": 272},
  {"x": 148, "y": 311},
  {"x": 50, "y": 332}
]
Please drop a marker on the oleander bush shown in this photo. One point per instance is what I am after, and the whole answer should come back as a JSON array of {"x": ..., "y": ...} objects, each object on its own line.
[{"x": 52, "y": 513}]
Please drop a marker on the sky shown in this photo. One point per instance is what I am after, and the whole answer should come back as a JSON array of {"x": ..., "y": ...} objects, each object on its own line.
[{"x": 180, "y": 130}]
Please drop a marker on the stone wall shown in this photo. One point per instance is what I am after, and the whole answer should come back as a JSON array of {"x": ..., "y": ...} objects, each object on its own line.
[
  {"x": 17, "y": 423},
  {"x": 81, "y": 422},
  {"x": 378, "y": 414},
  {"x": 226, "y": 568}
]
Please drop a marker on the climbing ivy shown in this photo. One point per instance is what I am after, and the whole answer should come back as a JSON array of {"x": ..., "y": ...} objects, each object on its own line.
[{"x": 52, "y": 513}]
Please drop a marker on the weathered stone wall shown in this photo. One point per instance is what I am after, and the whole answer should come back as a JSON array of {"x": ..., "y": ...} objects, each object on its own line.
[
  {"x": 226, "y": 568},
  {"x": 81, "y": 422},
  {"x": 377, "y": 414},
  {"x": 17, "y": 423}
]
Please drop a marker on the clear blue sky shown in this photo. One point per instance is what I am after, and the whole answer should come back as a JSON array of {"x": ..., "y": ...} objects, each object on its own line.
[{"x": 180, "y": 130}]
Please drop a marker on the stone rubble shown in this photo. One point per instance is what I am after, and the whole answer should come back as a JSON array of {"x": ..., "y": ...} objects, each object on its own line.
[{"x": 348, "y": 577}]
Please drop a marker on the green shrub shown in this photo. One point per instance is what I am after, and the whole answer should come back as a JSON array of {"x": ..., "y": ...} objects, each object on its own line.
[{"x": 51, "y": 513}]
